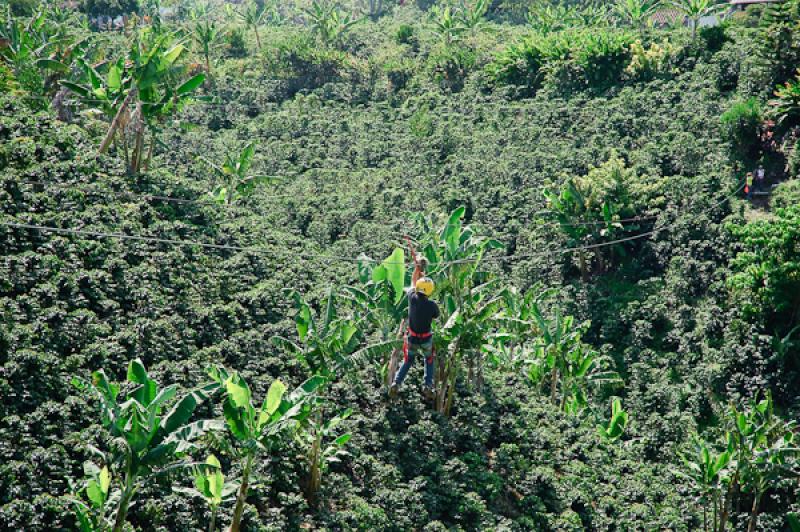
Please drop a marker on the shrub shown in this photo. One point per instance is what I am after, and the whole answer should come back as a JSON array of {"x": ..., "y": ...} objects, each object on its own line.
[
  {"x": 740, "y": 124},
  {"x": 649, "y": 62},
  {"x": 450, "y": 64},
  {"x": 235, "y": 44},
  {"x": 573, "y": 60},
  {"x": 405, "y": 34},
  {"x": 794, "y": 160},
  {"x": 714, "y": 37},
  {"x": 786, "y": 194},
  {"x": 518, "y": 64}
]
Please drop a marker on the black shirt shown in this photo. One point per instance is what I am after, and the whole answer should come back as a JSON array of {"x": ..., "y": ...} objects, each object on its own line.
[{"x": 421, "y": 313}]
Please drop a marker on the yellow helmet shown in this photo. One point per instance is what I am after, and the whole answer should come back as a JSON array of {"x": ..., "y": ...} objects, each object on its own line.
[{"x": 425, "y": 285}]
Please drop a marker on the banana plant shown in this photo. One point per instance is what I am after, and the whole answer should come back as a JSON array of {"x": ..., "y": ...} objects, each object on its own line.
[
  {"x": 380, "y": 301},
  {"x": 588, "y": 210},
  {"x": 469, "y": 298},
  {"x": 637, "y": 13},
  {"x": 757, "y": 451},
  {"x": 235, "y": 182},
  {"x": 708, "y": 473},
  {"x": 766, "y": 450},
  {"x": 516, "y": 318},
  {"x": 140, "y": 91},
  {"x": 96, "y": 511},
  {"x": 472, "y": 13},
  {"x": 146, "y": 442},
  {"x": 327, "y": 347},
  {"x": 256, "y": 429},
  {"x": 584, "y": 368},
  {"x": 379, "y": 297},
  {"x": 447, "y": 24},
  {"x": 329, "y": 22},
  {"x": 559, "y": 336},
  {"x": 40, "y": 44},
  {"x": 694, "y": 10},
  {"x": 786, "y": 105},
  {"x": 210, "y": 485},
  {"x": 205, "y": 34},
  {"x": 323, "y": 447},
  {"x": 253, "y": 16},
  {"x": 615, "y": 427},
  {"x": 330, "y": 345},
  {"x": 546, "y": 18}
]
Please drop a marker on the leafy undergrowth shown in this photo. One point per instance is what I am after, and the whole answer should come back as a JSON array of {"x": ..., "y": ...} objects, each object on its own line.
[{"x": 691, "y": 318}]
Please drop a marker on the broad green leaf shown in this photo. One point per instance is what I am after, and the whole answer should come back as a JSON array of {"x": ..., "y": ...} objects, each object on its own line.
[
  {"x": 83, "y": 519},
  {"x": 274, "y": 395},
  {"x": 138, "y": 374},
  {"x": 190, "y": 84},
  {"x": 238, "y": 391},
  {"x": 307, "y": 387},
  {"x": 51, "y": 64},
  {"x": 452, "y": 230},
  {"x": 185, "y": 407},
  {"x": 395, "y": 272},
  {"x": 107, "y": 389},
  {"x": 303, "y": 318},
  {"x": 105, "y": 480},
  {"x": 246, "y": 158},
  {"x": 342, "y": 440},
  {"x": 171, "y": 55},
  {"x": 216, "y": 480},
  {"x": 235, "y": 421},
  {"x": 95, "y": 493},
  {"x": 114, "y": 78},
  {"x": 379, "y": 273},
  {"x": 347, "y": 331}
]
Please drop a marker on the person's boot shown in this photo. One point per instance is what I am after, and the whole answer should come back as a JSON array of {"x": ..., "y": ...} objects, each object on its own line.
[{"x": 393, "y": 389}]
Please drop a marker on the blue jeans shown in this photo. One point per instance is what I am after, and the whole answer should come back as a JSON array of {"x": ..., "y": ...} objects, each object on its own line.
[{"x": 409, "y": 350}]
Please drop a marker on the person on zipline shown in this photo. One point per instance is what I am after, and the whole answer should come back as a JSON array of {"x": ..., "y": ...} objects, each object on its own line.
[{"x": 419, "y": 337}]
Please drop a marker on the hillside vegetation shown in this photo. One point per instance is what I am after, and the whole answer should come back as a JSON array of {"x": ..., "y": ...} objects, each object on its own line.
[{"x": 203, "y": 236}]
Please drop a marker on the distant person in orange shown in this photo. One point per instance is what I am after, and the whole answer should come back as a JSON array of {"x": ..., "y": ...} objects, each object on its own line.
[{"x": 748, "y": 185}]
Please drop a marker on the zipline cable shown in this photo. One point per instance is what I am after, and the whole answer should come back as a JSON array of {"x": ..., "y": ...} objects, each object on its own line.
[
  {"x": 156, "y": 197},
  {"x": 257, "y": 250}
]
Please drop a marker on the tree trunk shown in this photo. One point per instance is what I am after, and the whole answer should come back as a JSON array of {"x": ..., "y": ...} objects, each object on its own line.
[
  {"x": 212, "y": 525},
  {"x": 117, "y": 119},
  {"x": 754, "y": 512},
  {"x": 258, "y": 38},
  {"x": 705, "y": 519},
  {"x": 715, "y": 503},
  {"x": 124, "y": 502},
  {"x": 241, "y": 496},
  {"x": 394, "y": 360},
  {"x": 315, "y": 473},
  {"x": 726, "y": 504},
  {"x": 553, "y": 383},
  {"x": 150, "y": 152},
  {"x": 136, "y": 160}
]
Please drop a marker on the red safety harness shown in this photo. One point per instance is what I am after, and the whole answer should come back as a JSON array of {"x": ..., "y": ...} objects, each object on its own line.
[{"x": 423, "y": 336}]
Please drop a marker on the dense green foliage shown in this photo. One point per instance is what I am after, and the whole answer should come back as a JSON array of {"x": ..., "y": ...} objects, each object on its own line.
[{"x": 577, "y": 389}]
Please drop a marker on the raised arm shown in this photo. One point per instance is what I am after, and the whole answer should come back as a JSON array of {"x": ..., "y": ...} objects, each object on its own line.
[{"x": 419, "y": 264}]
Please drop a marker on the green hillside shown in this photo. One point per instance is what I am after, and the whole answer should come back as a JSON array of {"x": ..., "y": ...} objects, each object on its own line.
[{"x": 215, "y": 202}]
